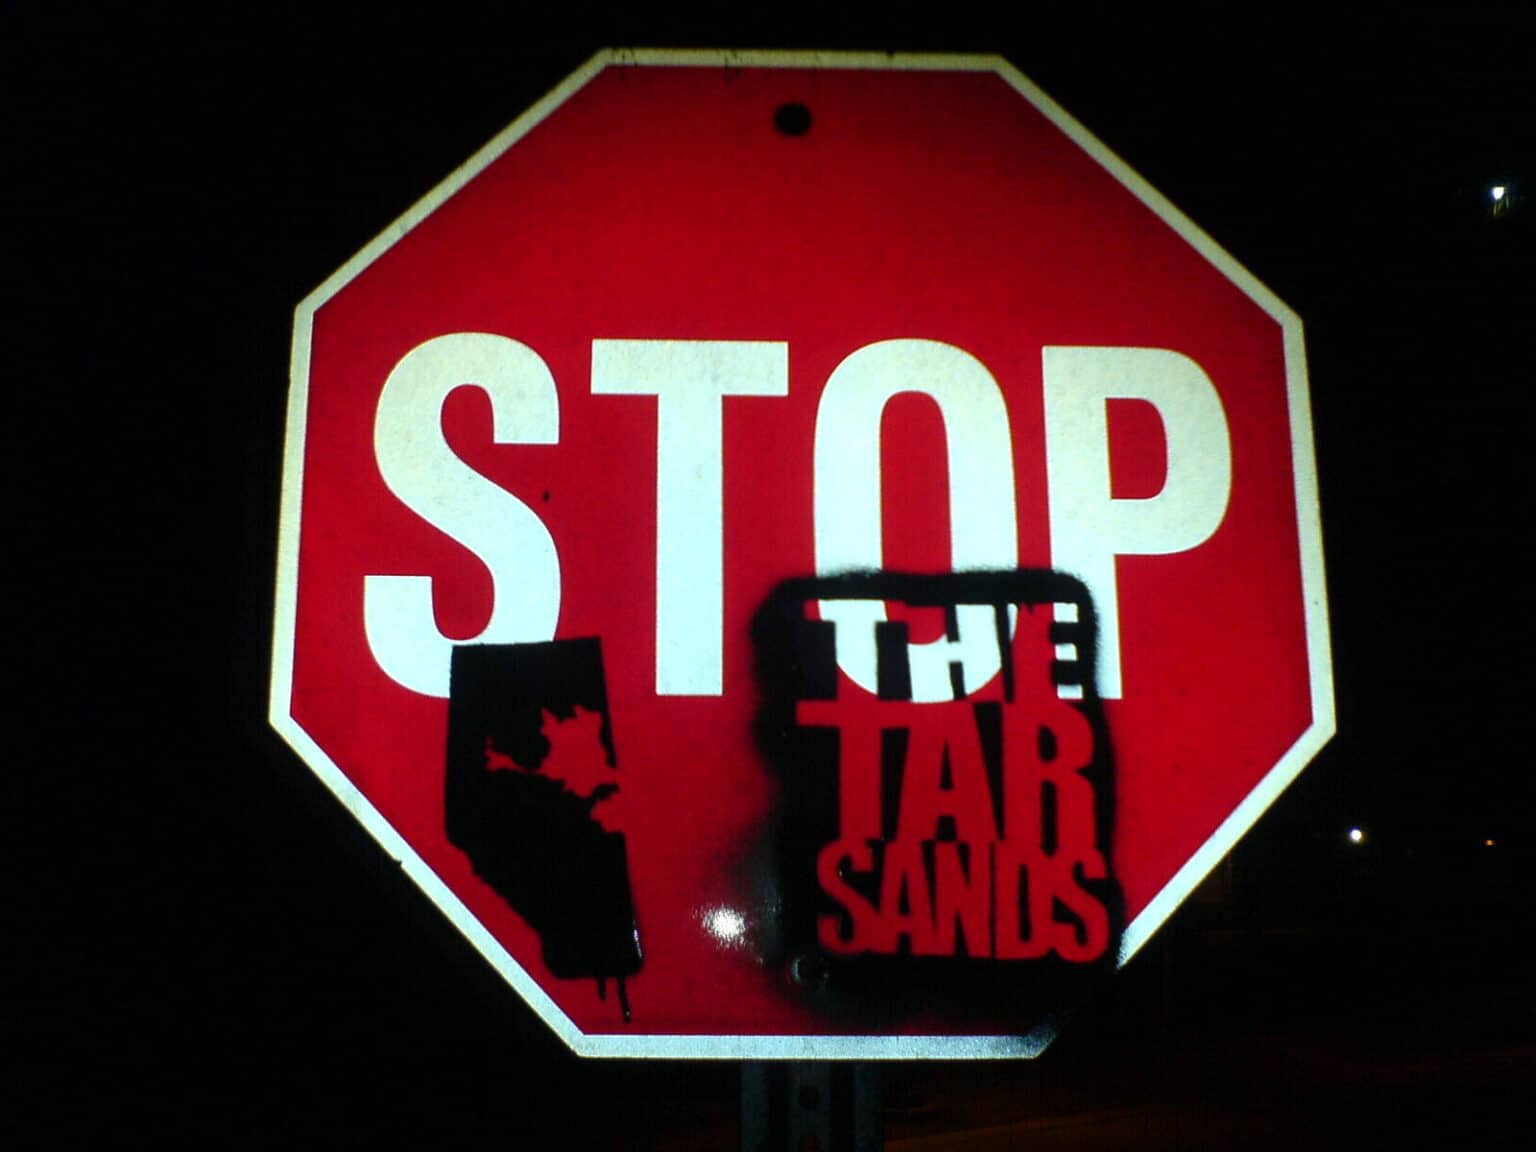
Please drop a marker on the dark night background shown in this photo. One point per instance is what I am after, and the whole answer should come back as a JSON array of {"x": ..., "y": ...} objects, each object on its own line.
[{"x": 211, "y": 949}]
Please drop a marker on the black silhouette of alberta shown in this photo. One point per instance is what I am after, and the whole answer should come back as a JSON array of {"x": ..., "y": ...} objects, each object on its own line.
[{"x": 527, "y": 835}]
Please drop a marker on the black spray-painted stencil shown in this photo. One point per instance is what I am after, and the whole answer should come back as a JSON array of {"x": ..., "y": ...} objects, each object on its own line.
[
  {"x": 945, "y": 851},
  {"x": 531, "y": 798}
]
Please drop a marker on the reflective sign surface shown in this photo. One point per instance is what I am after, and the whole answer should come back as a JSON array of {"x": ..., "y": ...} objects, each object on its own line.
[{"x": 800, "y": 556}]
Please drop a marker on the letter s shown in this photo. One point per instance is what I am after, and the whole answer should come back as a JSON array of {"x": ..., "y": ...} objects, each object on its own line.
[{"x": 421, "y": 470}]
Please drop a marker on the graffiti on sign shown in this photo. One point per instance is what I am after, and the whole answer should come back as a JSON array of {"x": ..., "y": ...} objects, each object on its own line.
[
  {"x": 531, "y": 797},
  {"x": 930, "y": 844}
]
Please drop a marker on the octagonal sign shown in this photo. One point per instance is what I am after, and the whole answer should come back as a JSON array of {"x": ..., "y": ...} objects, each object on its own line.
[{"x": 800, "y": 555}]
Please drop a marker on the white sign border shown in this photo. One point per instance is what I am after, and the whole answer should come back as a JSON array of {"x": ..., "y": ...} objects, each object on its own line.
[{"x": 835, "y": 1047}]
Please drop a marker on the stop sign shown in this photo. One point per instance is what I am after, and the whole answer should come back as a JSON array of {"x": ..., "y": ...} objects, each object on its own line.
[{"x": 800, "y": 555}]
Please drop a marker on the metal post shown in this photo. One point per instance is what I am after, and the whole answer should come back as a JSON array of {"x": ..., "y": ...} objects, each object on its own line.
[{"x": 804, "y": 1106}]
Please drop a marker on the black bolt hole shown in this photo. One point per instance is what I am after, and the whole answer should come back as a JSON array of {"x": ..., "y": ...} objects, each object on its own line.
[
  {"x": 808, "y": 971},
  {"x": 792, "y": 119}
]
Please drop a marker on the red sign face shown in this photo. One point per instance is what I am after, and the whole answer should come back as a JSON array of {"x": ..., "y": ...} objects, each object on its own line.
[{"x": 800, "y": 556}]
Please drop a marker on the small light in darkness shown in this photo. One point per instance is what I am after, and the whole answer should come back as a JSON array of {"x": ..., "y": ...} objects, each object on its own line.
[
  {"x": 1497, "y": 192},
  {"x": 1356, "y": 836},
  {"x": 1488, "y": 843}
]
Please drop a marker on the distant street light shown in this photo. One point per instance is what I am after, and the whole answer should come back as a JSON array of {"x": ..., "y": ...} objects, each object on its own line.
[{"x": 1356, "y": 836}]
